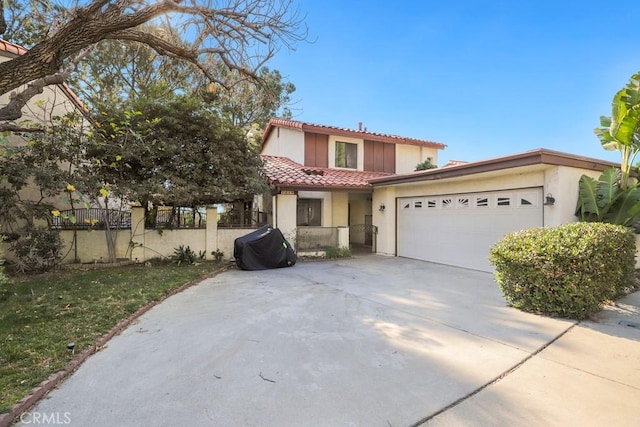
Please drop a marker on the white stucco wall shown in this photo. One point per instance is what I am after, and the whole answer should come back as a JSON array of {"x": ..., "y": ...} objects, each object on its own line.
[
  {"x": 408, "y": 156},
  {"x": 385, "y": 220},
  {"x": 285, "y": 215},
  {"x": 340, "y": 209},
  {"x": 285, "y": 142},
  {"x": 562, "y": 184}
]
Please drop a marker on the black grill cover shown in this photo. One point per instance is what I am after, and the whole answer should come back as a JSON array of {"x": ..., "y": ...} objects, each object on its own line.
[{"x": 263, "y": 249}]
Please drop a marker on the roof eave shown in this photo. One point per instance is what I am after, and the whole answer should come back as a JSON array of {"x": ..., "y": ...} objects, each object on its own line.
[
  {"x": 299, "y": 187},
  {"x": 534, "y": 157}
]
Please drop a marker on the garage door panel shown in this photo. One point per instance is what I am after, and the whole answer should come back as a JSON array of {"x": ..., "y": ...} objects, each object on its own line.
[{"x": 459, "y": 229}]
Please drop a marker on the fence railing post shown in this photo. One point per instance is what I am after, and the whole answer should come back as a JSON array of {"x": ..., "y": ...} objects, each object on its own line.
[{"x": 211, "y": 236}]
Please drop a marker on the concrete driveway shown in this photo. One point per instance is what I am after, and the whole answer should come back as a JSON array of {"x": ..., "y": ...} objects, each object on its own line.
[{"x": 370, "y": 341}]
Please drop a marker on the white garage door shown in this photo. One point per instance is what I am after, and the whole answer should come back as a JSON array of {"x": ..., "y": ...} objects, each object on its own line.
[{"x": 459, "y": 229}]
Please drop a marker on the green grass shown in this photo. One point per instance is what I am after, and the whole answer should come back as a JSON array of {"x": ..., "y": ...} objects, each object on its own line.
[{"x": 40, "y": 314}]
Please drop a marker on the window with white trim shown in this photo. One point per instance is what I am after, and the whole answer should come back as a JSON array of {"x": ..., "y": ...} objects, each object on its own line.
[{"x": 346, "y": 155}]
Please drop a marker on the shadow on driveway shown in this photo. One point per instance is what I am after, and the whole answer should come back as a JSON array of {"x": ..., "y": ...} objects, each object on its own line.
[{"x": 369, "y": 341}]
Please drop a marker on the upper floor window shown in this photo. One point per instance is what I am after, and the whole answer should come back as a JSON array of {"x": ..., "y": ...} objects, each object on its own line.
[{"x": 346, "y": 155}]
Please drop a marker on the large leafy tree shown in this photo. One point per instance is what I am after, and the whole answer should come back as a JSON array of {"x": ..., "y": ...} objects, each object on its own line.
[
  {"x": 176, "y": 152},
  {"x": 241, "y": 34},
  {"x": 250, "y": 103},
  {"x": 117, "y": 73}
]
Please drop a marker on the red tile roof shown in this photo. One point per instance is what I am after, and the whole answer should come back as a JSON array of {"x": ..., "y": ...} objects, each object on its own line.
[
  {"x": 9, "y": 47},
  {"x": 284, "y": 172},
  {"x": 16, "y": 50},
  {"x": 333, "y": 130}
]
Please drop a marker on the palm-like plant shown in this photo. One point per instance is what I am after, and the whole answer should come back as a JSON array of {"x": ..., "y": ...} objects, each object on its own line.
[
  {"x": 603, "y": 200},
  {"x": 621, "y": 131},
  {"x": 611, "y": 198}
]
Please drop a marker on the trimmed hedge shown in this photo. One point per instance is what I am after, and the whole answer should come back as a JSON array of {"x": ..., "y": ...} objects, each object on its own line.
[{"x": 565, "y": 271}]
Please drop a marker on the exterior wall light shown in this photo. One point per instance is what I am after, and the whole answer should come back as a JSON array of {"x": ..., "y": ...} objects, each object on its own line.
[
  {"x": 382, "y": 207},
  {"x": 549, "y": 200}
]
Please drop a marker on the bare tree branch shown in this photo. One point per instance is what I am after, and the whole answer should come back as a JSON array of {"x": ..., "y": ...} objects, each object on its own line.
[
  {"x": 15, "y": 128},
  {"x": 242, "y": 34},
  {"x": 164, "y": 47},
  {"x": 13, "y": 110},
  {"x": 3, "y": 23}
]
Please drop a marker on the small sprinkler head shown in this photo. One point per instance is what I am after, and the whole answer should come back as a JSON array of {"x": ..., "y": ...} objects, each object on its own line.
[{"x": 71, "y": 347}]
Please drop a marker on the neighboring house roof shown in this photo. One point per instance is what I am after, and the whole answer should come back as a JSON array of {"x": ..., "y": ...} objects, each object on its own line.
[
  {"x": 12, "y": 48},
  {"x": 541, "y": 156},
  {"x": 333, "y": 130},
  {"x": 9, "y": 49},
  {"x": 285, "y": 173},
  {"x": 454, "y": 163}
]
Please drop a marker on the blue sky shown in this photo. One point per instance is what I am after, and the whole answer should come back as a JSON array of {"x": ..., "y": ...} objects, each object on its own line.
[{"x": 487, "y": 78}]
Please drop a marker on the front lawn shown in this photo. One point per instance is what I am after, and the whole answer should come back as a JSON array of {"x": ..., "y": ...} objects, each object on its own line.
[{"x": 40, "y": 314}]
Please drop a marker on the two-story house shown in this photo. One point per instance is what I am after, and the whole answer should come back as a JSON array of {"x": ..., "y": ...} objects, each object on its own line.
[{"x": 319, "y": 175}]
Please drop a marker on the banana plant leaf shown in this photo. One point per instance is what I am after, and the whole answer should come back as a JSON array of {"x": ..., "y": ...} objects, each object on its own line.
[
  {"x": 603, "y": 200},
  {"x": 626, "y": 209}
]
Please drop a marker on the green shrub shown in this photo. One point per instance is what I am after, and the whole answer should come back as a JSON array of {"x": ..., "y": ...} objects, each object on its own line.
[
  {"x": 217, "y": 255},
  {"x": 186, "y": 255},
  {"x": 426, "y": 165},
  {"x": 566, "y": 271},
  {"x": 340, "y": 252},
  {"x": 36, "y": 250}
]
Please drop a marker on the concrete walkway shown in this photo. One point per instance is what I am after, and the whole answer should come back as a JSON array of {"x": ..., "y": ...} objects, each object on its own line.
[{"x": 370, "y": 341}]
